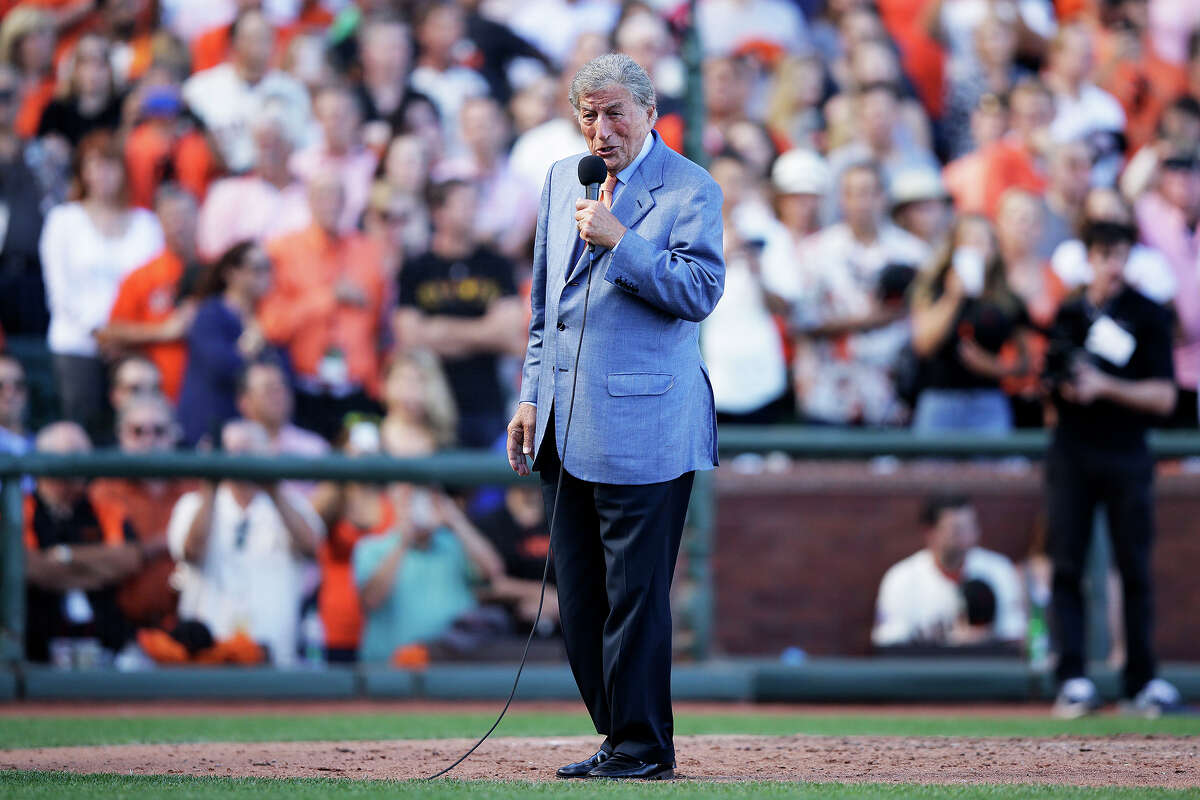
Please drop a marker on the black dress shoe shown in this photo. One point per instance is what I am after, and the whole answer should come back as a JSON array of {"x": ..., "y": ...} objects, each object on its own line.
[
  {"x": 620, "y": 765},
  {"x": 580, "y": 769}
]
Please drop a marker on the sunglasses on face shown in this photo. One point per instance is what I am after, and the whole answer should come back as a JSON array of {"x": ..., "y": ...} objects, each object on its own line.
[
  {"x": 15, "y": 384},
  {"x": 158, "y": 431},
  {"x": 141, "y": 388}
]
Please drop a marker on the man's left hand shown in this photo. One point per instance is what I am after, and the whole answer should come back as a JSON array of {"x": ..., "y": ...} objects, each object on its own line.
[
  {"x": 597, "y": 225},
  {"x": 1089, "y": 384}
]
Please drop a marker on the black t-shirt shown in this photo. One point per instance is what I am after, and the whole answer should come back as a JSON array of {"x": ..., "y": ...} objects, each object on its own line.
[
  {"x": 63, "y": 117},
  {"x": 462, "y": 287},
  {"x": 523, "y": 550},
  {"x": 1104, "y": 423},
  {"x": 45, "y": 615},
  {"x": 991, "y": 323}
]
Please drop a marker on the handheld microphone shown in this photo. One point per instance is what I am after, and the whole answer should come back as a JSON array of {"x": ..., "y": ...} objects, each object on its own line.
[{"x": 592, "y": 172}]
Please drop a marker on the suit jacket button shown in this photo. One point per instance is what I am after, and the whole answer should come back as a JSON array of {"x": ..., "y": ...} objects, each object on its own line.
[{"x": 561, "y": 325}]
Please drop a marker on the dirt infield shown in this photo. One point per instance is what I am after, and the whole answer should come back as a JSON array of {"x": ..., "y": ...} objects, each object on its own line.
[{"x": 1129, "y": 760}]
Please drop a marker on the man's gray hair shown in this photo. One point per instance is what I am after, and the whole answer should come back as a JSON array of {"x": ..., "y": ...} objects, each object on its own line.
[{"x": 613, "y": 69}]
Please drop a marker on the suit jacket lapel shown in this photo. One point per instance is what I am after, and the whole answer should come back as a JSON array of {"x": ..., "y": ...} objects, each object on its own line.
[{"x": 634, "y": 201}]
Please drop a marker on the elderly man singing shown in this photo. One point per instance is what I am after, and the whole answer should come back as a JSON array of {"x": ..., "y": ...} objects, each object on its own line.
[{"x": 640, "y": 404}]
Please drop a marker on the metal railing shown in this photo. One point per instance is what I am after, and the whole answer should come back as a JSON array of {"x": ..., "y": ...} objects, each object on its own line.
[{"x": 472, "y": 468}]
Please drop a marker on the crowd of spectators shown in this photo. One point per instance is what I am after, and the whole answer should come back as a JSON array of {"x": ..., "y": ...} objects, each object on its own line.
[{"x": 286, "y": 226}]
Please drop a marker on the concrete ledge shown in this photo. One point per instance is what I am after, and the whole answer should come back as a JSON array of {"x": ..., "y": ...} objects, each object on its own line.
[
  {"x": 924, "y": 680},
  {"x": 208, "y": 683}
]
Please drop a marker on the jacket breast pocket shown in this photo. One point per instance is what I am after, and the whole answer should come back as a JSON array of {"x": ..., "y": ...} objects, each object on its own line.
[{"x": 628, "y": 384}]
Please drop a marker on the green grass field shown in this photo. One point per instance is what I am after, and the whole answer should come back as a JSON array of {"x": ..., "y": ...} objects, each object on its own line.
[{"x": 34, "y": 731}]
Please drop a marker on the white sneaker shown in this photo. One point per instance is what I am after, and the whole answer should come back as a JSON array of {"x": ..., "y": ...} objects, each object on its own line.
[
  {"x": 1156, "y": 698},
  {"x": 1077, "y": 697}
]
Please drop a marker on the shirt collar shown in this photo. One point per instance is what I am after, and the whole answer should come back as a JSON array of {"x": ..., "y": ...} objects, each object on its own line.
[{"x": 624, "y": 175}]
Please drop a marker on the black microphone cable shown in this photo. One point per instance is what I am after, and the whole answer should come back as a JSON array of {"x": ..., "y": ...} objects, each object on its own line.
[{"x": 553, "y": 516}]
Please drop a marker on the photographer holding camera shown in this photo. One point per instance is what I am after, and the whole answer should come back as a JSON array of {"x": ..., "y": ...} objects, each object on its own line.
[{"x": 1111, "y": 376}]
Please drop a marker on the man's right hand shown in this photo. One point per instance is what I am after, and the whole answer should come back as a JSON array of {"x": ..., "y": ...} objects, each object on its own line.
[{"x": 521, "y": 437}]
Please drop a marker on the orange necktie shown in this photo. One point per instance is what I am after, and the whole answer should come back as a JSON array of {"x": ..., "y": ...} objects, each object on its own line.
[{"x": 606, "y": 191}]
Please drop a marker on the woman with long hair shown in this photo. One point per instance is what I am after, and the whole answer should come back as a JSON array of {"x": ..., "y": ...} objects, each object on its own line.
[
  {"x": 87, "y": 98},
  {"x": 963, "y": 313},
  {"x": 87, "y": 247},
  {"x": 421, "y": 416},
  {"x": 223, "y": 338}
]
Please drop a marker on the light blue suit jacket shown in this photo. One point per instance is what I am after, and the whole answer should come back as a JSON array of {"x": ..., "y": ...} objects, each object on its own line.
[{"x": 644, "y": 408}]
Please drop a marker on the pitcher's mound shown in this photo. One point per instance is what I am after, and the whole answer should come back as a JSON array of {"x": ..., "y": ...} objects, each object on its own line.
[{"x": 1129, "y": 760}]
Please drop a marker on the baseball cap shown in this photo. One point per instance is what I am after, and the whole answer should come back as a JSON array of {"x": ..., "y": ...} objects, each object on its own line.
[{"x": 800, "y": 171}]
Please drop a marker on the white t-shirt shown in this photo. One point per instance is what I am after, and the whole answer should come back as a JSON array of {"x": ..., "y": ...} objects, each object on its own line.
[
  {"x": 228, "y": 105},
  {"x": 917, "y": 600},
  {"x": 254, "y": 586},
  {"x": 83, "y": 269}
]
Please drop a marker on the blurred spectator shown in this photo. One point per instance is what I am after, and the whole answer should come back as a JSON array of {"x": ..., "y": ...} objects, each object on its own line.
[
  {"x": 726, "y": 26},
  {"x": 165, "y": 142},
  {"x": 800, "y": 179},
  {"x": 794, "y": 110},
  {"x": 1082, "y": 109},
  {"x": 1147, "y": 269},
  {"x": 14, "y": 399},
  {"x": 211, "y": 47},
  {"x": 421, "y": 415},
  {"x": 558, "y": 137},
  {"x": 340, "y": 151},
  {"x": 977, "y": 180},
  {"x": 1130, "y": 67},
  {"x": 265, "y": 397},
  {"x": 78, "y": 551},
  {"x": 921, "y": 205},
  {"x": 145, "y": 425},
  {"x": 874, "y": 62},
  {"x": 499, "y": 51},
  {"x": 507, "y": 210},
  {"x": 385, "y": 50},
  {"x": 241, "y": 547},
  {"x": 1069, "y": 173},
  {"x": 954, "y": 22},
  {"x": 644, "y": 36},
  {"x": 416, "y": 580},
  {"x": 1019, "y": 220},
  {"x": 992, "y": 72},
  {"x": 405, "y": 172},
  {"x": 517, "y": 529},
  {"x": 88, "y": 246},
  {"x": 156, "y": 303},
  {"x": 459, "y": 301},
  {"x": 921, "y": 598},
  {"x": 325, "y": 307},
  {"x": 439, "y": 29},
  {"x": 848, "y": 340},
  {"x": 22, "y": 294},
  {"x": 963, "y": 313},
  {"x": 1112, "y": 377},
  {"x": 877, "y": 139},
  {"x": 555, "y": 27},
  {"x": 229, "y": 96},
  {"x": 739, "y": 340},
  {"x": 224, "y": 336},
  {"x": 261, "y": 205},
  {"x": 1167, "y": 219},
  {"x": 350, "y": 511},
  {"x": 27, "y": 45},
  {"x": 386, "y": 222},
  {"x": 87, "y": 98},
  {"x": 133, "y": 377}
]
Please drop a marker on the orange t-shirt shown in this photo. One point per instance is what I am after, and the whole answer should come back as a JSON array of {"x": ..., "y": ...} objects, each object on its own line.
[
  {"x": 337, "y": 601},
  {"x": 922, "y": 58},
  {"x": 32, "y": 106},
  {"x": 302, "y": 312},
  {"x": 1042, "y": 312},
  {"x": 151, "y": 146},
  {"x": 146, "y": 597},
  {"x": 147, "y": 296}
]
